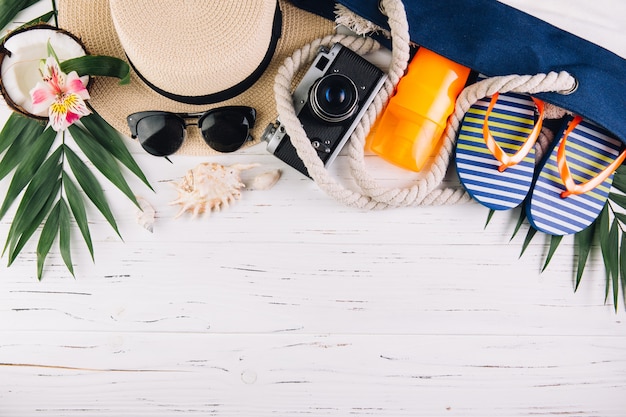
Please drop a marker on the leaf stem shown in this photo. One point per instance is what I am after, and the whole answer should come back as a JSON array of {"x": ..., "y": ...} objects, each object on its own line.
[
  {"x": 56, "y": 13},
  {"x": 619, "y": 223},
  {"x": 62, "y": 161}
]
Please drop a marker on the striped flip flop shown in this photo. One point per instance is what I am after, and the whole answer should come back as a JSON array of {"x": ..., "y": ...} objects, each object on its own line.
[
  {"x": 574, "y": 179},
  {"x": 495, "y": 157}
]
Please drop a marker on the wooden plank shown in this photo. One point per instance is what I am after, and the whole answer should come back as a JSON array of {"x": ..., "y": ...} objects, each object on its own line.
[{"x": 115, "y": 374}]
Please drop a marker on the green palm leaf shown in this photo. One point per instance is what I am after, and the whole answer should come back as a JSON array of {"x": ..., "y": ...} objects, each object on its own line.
[
  {"x": 622, "y": 266},
  {"x": 489, "y": 217},
  {"x": 621, "y": 217},
  {"x": 35, "y": 196},
  {"x": 102, "y": 160},
  {"x": 520, "y": 221},
  {"x": 106, "y": 66},
  {"x": 554, "y": 244},
  {"x": 111, "y": 140},
  {"x": 90, "y": 186},
  {"x": 28, "y": 167},
  {"x": 75, "y": 200},
  {"x": 583, "y": 240},
  {"x": 16, "y": 126},
  {"x": 20, "y": 146},
  {"x": 30, "y": 227},
  {"x": 44, "y": 18},
  {"x": 64, "y": 235},
  {"x": 603, "y": 233},
  {"x": 11, "y": 130},
  {"x": 529, "y": 237},
  {"x": 25, "y": 144},
  {"x": 48, "y": 234},
  {"x": 612, "y": 259},
  {"x": 10, "y": 8},
  {"x": 619, "y": 179},
  {"x": 619, "y": 199}
]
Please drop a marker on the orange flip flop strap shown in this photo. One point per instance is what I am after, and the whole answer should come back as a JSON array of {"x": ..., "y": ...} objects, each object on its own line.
[
  {"x": 495, "y": 149},
  {"x": 570, "y": 185}
]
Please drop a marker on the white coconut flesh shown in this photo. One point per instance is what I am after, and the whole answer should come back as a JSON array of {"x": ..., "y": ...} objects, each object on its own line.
[{"x": 20, "y": 71}]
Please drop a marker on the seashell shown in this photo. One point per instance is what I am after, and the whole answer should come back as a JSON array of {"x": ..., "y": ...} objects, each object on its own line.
[
  {"x": 266, "y": 180},
  {"x": 146, "y": 214},
  {"x": 209, "y": 187}
]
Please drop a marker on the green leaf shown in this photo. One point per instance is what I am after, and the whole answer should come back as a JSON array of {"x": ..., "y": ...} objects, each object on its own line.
[
  {"x": 554, "y": 244},
  {"x": 619, "y": 181},
  {"x": 102, "y": 160},
  {"x": 90, "y": 186},
  {"x": 603, "y": 228},
  {"x": 20, "y": 148},
  {"x": 529, "y": 237},
  {"x": 12, "y": 129},
  {"x": 106, "y": 66},
  {"x": 613, "y": 259},
  {"x": 28, "y": 167},
  {"x": 583, "y": 240},
  {"x": 77, "y": 206},
  {"x": 619, "y": 199},
  {"x": 44, "y": 18},
  {"x": 51, "y": 51},
  {"x": 30, "y": 229},
  {"x": 9, "y": 10},
  {"x": 622, "y": 269},
  {"x": 48, "y": 234},
  {"x": 520, "y": 221},
  {"x": 16, "y": 126},
  {"x": 489, "y": 217},
  {"x": 111, "y": 140},
  {"x": 35, "y": 196},
  {"x": 64, "y": 235},
  {"x": 621, "y": 217}
]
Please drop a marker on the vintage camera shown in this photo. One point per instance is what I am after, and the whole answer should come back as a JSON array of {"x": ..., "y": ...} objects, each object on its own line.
[{"x": 330, "y": 100}]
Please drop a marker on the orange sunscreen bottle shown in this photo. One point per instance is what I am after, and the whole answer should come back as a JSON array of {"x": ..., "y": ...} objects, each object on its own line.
[{"x": 410, "y": 128}]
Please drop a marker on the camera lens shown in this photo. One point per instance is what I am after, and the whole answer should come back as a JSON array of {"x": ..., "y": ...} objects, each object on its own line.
[{"x": 334, "y": 98}]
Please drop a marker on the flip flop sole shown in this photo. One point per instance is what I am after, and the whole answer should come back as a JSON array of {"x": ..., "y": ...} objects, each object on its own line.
[
  {"x": 589, "y": 149},
  {"x": 510, "y": 122}
]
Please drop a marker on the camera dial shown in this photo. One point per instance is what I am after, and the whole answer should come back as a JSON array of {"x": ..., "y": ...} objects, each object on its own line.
[{"x": 334, "y": 98}]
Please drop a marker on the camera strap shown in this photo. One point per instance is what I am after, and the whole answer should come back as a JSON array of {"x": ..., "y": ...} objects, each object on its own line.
[{"x": 427, "y": 190}]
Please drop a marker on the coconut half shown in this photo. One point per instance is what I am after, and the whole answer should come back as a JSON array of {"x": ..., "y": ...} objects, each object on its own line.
[{"x": 21, "y": 54}]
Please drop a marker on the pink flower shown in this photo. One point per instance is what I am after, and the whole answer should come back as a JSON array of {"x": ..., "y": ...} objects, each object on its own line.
[{"x": 62, "y": 95}]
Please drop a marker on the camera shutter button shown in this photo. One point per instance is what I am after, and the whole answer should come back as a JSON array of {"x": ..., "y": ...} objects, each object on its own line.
[{"x": 321, "y": 146}]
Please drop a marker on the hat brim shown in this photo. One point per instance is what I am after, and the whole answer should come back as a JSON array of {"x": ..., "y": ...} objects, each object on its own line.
[{"x": 91, "y": 21}]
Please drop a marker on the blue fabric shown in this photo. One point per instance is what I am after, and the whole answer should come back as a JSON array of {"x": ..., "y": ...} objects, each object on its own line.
[{"x": 496, "y": 39}]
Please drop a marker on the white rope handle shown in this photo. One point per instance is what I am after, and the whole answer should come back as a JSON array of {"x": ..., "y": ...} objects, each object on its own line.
[{"x": 424, "y": 191}]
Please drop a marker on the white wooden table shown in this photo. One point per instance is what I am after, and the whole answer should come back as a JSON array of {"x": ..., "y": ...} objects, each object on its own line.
[{"x": 288, "y": 304}]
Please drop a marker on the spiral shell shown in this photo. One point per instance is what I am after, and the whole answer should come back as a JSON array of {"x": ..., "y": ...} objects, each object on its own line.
[{"x": 209, "y": 187}]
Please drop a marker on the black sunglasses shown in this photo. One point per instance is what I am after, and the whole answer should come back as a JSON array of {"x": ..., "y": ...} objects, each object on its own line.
[{"x": 162, "y": 133}]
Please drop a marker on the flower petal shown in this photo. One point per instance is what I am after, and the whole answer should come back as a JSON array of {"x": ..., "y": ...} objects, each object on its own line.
[
  {"x": 75, "y": 85},
  {"x": 66, "y": 110},
  {"x": 57, "y": 119},
  {"x": 53, "y": 75},
  {"x": 42, "y": 96}
]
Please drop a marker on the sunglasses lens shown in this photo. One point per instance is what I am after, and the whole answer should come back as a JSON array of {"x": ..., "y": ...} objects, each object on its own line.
[
  {"x": 161, "y": 135},
  {"x": 225, "y": 131}
]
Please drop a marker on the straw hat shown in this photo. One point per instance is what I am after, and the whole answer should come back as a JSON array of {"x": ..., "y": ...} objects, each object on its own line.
[{"x": 190, "y": 56}]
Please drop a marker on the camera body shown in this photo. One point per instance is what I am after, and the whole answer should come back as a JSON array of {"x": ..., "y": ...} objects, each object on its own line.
[{"x": 329, "y": 101}]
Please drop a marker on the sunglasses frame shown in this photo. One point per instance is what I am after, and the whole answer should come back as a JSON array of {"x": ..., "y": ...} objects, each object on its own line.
[{"x": 249, "y": 114}]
